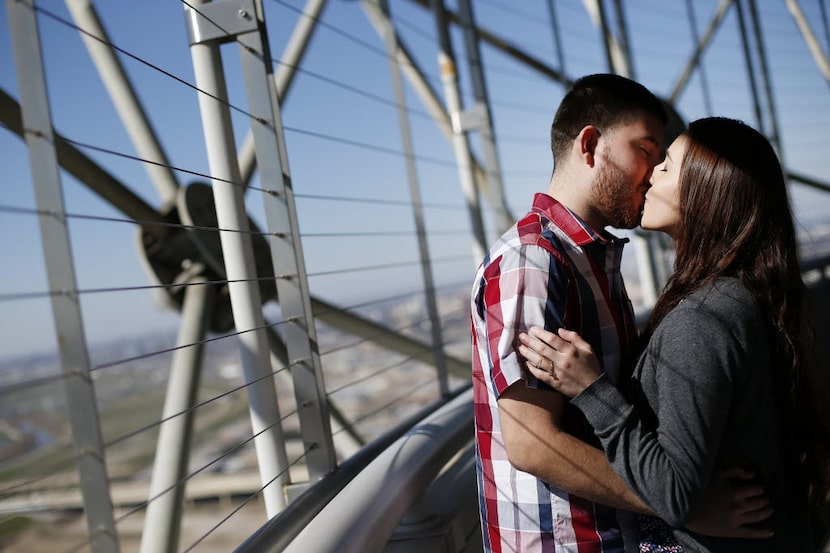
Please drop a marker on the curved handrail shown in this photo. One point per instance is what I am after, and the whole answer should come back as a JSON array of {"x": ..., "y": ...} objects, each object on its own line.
[{"x": 279, "y": 533}]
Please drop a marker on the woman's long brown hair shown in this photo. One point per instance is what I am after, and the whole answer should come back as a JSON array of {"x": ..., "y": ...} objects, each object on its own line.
[{"x": 736, "y": 221}]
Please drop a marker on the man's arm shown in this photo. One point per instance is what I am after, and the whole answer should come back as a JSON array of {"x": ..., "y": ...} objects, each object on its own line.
[
  {"x": 535, "y": 443},
  {"x": 733, "y": 501}
]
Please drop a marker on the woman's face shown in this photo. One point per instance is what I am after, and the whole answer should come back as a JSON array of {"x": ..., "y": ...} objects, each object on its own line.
[{"x": 662, "y": 208}]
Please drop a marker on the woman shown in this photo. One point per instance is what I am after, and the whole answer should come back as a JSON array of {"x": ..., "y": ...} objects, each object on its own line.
[{"x": 719, "y": 382}]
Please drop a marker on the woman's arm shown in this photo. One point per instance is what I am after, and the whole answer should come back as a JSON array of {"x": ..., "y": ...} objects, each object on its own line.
[{"x": 669, "y": 466}]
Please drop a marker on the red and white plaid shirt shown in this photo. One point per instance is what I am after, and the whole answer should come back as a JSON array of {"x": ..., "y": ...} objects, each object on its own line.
[{"x": 551, "y": 270}]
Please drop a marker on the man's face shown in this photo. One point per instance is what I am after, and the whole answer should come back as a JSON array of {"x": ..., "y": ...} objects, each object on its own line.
[{"x": 626, "y": 156}]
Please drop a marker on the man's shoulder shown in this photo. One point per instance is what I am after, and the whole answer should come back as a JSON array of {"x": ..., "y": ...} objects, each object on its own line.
[
  {"x": 530, "y": 227},
  {"x": 534, "y": 229}
]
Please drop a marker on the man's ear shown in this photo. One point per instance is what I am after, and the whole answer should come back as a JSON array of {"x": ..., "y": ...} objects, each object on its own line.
[{"x": 586, "y": 141}]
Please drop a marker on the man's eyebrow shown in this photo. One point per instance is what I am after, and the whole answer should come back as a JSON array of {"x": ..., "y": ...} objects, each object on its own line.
[
  {"x": 653, "y": 140},
  {"x": 658, "y": 144}
]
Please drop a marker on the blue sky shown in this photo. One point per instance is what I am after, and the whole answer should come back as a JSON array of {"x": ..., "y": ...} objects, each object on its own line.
[{"x": 325, "y": 117}]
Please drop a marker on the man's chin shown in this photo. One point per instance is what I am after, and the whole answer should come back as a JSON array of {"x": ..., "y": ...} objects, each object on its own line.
[{"x": 628, "y": 223}]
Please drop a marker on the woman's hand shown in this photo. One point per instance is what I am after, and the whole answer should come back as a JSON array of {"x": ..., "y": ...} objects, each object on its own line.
[{"x": 565, "y": 361}]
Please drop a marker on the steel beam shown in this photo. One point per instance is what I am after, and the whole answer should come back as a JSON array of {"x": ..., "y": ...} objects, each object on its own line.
[
  {"x": 391, "y": 42},
  {"x": 506, "y": 47},
  {"x": 460, "y": 139},
  {"x": 614, "y": 53},
  {"x": 704, "y": 84},
  {"x": 385, "y": 337},
  {"x": 774, "y": 131},
  {"x": 300, "y": 335},
  {"x": 482, "y": 120},
  {"x": 57, "y": 252},
  {"x": 750, "y": 67},
  {"x": 235, "y": 239},
  {"x": 809, "y": 38},
  {"x": 430, "y": 99},
  {"x": 124, "y": 98},
  {"x": 89, "y": 173},
  {"x": 289, "y": 64},
  {"x": 557, "y": 41},
  {"x": 704, "y": 42}
]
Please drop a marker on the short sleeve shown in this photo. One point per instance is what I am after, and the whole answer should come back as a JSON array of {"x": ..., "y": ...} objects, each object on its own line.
[{"x": 523, "y": 288}]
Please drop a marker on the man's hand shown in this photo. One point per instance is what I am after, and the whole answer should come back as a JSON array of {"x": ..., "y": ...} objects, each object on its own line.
[{"x": 734, "y": 503}]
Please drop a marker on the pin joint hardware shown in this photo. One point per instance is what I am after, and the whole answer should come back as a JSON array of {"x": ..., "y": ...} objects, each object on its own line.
[{"x": 221, "y": 20}]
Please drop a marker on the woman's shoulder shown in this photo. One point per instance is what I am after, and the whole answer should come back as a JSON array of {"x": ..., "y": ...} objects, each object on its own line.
[
  {"x": 724, "y": 294},
  {"x": 720, "y": 305},
  {"x": 714, "y": 326}
]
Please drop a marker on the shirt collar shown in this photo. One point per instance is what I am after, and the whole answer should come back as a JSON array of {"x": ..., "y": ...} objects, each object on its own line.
[{"x": 568, "y": 221}]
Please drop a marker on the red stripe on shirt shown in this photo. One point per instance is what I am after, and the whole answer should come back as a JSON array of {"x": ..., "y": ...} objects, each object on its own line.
[{"x": 584, "y": 525}]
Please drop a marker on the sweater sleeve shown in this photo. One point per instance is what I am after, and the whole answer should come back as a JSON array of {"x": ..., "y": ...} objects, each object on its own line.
[{"x": 699, "y": 355}]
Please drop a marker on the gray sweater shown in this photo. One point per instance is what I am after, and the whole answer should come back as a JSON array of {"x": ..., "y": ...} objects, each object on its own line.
[{"x": 706, "y": 376}]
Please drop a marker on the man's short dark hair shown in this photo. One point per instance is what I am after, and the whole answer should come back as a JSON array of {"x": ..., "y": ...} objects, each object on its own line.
[{"x": 603, "y": 100}]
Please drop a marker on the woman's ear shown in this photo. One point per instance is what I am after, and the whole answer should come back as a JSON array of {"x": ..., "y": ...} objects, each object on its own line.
[{"x": 586, "y": 141}]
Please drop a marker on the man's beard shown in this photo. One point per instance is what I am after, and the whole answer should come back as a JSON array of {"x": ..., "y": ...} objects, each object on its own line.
[{"x": 612, "y": 197}]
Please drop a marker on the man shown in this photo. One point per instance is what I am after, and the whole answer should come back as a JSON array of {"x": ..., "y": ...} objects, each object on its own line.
[
  {"x": 539, "y": 479},
  {"x": 544, "y": 485}
]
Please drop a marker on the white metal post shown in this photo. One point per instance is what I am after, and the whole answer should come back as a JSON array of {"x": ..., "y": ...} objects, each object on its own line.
[
  {"x": 162, "y": 522},
  {"x": 239, "y": 263}
]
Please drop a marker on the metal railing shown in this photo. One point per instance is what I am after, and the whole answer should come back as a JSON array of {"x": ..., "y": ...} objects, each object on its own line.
[{"x": 313, "y": 329}]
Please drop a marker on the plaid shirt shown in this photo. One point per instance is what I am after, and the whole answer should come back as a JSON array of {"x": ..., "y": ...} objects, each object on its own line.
[{"x": 551, "y": 270}]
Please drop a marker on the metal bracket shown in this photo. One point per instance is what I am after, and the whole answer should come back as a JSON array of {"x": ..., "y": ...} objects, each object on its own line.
[
  {"x": 221, "y": 21},
  {"x": 470, "y": 119}
]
